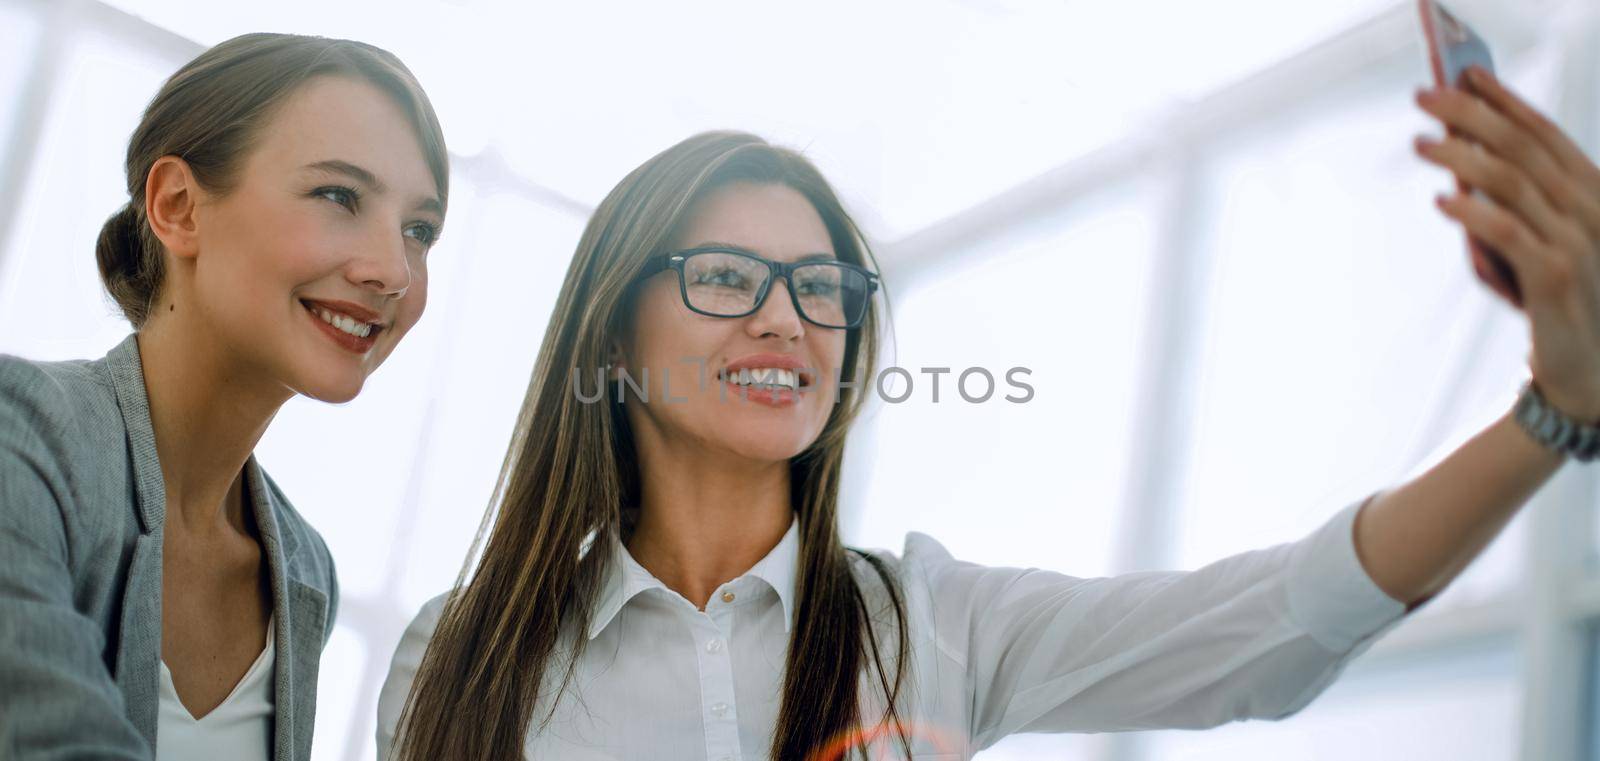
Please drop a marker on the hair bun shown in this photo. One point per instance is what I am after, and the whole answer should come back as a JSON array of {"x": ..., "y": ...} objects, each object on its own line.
[
  {"x": 118, "y": 248},
  {"x": 120, "y": 255}
]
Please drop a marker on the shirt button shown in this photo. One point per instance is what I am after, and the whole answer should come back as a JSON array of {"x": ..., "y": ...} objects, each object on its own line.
[
  {"x": 714, "y": 646},
  {"x": 727, "y": 597},
  {"x": 718, "y": 709}
]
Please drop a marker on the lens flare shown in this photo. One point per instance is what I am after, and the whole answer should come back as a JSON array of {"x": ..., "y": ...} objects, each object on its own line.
[{"x": 886, "y": 736}]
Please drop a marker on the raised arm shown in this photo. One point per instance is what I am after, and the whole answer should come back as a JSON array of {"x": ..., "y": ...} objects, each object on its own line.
[
  {"x": 1259, "y": 634},
  {"x": 1541, "y": 210},
  {"x": 1415, "y": 539}
]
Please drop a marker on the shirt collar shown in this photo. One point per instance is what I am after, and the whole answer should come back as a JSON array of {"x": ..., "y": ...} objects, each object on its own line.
[
  {"x": 625, "y": 578},
  {"x": 126, "y": 368}
]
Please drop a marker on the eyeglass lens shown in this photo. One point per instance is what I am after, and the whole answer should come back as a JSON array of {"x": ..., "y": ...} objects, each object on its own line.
[{"x": 727, "y": 285}]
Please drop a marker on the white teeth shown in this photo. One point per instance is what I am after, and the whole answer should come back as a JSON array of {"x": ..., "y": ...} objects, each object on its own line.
[
  {"x": 765, "y": 376},
  {"x": 345, "y": 323}
]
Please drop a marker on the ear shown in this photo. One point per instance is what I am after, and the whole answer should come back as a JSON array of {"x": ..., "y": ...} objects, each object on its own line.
[
  {"x": 615, "y": 359},
  {"x": 171, "y": 195}
]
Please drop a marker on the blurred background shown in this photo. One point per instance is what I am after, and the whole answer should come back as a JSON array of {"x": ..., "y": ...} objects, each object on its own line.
[{"x": 1200, "y": 225}]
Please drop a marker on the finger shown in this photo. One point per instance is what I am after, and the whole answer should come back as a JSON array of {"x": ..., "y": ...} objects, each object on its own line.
[
  {"x": 1566, "y": 152},
  {"x": 1475, "y": 117},
  {"x": 1535, "y": 265},
  {"x": 1508, "y": 184}
]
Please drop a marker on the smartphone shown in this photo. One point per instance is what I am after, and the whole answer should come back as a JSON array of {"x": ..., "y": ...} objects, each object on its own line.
[{"x": 1452, "y": 48}]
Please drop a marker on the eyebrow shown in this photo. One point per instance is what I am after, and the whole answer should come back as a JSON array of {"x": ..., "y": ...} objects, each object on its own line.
[
  {"x": 820, "y": 256},
  {"x": 366, "y": 177}
]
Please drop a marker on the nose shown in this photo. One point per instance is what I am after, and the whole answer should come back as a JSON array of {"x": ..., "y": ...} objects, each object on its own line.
[
  {"x": 777, "y": 316},
  {"x": 382, "y": 264}
]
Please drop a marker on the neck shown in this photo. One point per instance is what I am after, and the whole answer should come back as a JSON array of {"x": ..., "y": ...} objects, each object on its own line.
[
  {"x": 207, "y": 412},
  {"x": 705, "y": 520}
]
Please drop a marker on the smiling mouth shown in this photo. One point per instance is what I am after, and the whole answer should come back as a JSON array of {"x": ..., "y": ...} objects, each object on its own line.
[
  {"x": 355, "y": 328},
  {"x": 768, "y": 378}
]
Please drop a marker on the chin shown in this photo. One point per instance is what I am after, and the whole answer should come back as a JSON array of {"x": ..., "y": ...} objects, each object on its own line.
[
  {"x": 332, "y": 391},
  {"x": 769, "y": 448}
]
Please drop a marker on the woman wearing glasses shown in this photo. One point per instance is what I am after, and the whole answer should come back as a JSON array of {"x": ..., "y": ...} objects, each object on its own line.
[
  {"x": 663, "y": 577},
  {"x": 159, "y": 596}
]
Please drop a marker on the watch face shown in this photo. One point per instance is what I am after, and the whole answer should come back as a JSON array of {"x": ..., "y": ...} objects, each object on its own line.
[
  {"x": 1579, "y": 439},
  {"x": 1535, "y": 417}
]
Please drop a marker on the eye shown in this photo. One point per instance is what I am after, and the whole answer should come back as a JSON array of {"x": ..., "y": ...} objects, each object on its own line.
[
  {"x": 817, "y": 283},
  {"x": 726, "y": 276},
  {"x": 424, "y": 232},
  {"x": 339, "y": 194},
  {"x": 818, "y": 288}
]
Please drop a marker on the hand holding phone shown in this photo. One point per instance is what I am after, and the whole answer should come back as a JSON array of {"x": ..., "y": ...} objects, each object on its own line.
[{"x": 1452, "y": 48}]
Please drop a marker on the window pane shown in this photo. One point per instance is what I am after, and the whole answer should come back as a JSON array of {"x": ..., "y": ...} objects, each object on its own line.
[
  {"x": 1349, "y": 342},
  {"x": 520, "y": 252},
  {"x": 1064, "y": 299},
  {"x": 1461, "y": 704},
  {"x": 48, "y": 280},
  {"x": 346, "y": 697},
  {"x": 24, "y": 23},
  {"x": 1042, "y": 747}
]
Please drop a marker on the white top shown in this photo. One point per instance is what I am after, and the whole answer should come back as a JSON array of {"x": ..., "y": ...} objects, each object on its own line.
[
  {"x": 239, "y": 729},
  {"x": 994, "y": 650}
]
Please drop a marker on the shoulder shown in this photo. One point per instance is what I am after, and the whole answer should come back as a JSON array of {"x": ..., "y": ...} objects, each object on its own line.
[
  {"x": 920, "y": 558},
  {"x": 914, "y": 572},
  {"x": 413, "y": 643},
  {"x": 420, "y": 630},
  {"x": 935, "y": 582},
  {"x": 51, "y": 402},
  {"x": 63, "y": 446},
  {"x": 403, "y": 670},
  {"x": 53, "y": 378}
]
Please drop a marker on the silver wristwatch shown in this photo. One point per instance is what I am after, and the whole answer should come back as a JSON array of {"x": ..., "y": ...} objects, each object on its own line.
[{"x": 1553, "y": 428}]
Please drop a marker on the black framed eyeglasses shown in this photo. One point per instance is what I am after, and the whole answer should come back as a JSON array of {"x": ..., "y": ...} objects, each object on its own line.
[{"x": 727, "y": 282}]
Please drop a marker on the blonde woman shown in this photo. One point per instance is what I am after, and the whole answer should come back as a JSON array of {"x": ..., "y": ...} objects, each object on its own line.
[
  {"x": 159, "y": 596},
  {"x": 663, "y": 575}
]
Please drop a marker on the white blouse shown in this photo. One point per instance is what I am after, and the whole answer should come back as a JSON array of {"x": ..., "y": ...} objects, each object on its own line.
[
  {"x": 239, "y": 729},
  {"x": 994, "y": 650}
]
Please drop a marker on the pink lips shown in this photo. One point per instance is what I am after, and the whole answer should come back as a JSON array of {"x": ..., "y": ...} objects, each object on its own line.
[
  {"x": 346, "y": 341},
  {"x": 780, "y": 361},
  {"x": 777, "y": 398},
  {"x": 780, "y": 397}
]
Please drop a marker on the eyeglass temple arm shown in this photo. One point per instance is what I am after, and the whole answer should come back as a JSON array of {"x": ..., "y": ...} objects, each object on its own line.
[{"x": 656, "y": 264}]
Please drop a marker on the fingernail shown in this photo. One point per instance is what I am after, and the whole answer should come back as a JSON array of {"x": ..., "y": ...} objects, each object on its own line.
[{"x": 1426, "y": 96}]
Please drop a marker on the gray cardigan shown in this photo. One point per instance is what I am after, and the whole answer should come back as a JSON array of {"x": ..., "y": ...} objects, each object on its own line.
[{"x": 82, "y": 504}]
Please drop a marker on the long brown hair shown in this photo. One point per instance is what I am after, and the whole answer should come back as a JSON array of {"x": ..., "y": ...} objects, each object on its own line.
[
  {"x": 571, "y": 474},
  {"x": 209, "y": 113}
]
